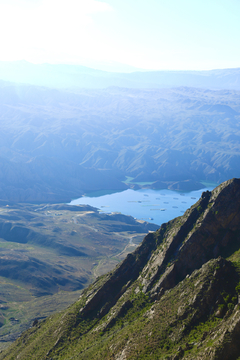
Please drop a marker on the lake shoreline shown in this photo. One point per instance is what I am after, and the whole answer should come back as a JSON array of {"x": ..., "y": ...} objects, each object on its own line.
[{"x": 150, "y": 205}]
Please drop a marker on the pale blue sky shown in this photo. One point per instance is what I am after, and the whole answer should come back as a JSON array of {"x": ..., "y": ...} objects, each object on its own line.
[{"x": 153, "y": 34}]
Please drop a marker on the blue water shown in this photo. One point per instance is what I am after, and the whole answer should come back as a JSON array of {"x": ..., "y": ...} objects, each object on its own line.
[{"x": 155, "y": 206}]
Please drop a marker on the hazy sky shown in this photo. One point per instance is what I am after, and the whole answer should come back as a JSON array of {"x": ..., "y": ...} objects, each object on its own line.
[{"x": 150, "y": 34}]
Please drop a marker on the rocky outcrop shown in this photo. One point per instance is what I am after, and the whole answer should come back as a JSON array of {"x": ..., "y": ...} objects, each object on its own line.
[{"x": 207, "y": 230}]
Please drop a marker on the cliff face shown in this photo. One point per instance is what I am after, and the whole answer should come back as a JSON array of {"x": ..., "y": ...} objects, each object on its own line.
[
  {"x": 175, "y": 297},
  {"x": 209, "y": 229}
]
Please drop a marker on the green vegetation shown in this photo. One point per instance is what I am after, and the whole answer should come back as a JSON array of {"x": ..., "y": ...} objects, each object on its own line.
[
  {"x": 145, "y": 330},
  {"x": 56, "y": 252},
  {"x": 177, "y": 302}
]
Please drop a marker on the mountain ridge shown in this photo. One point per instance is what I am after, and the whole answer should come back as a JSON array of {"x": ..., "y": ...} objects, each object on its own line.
[
  {"x": 181, "y": 268},
  {"x": 78, "y": 76}
]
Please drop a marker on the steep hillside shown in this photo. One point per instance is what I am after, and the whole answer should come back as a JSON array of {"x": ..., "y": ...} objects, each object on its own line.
[
  {"x": 48, "y": 253},
  {"x": 175, "y": 297}
]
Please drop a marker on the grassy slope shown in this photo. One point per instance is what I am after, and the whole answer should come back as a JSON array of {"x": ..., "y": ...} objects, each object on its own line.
[
  {"x": 172, "y": 325},
  {"x": 63, "y": 250},
  {"x": 198, "y": 318}
]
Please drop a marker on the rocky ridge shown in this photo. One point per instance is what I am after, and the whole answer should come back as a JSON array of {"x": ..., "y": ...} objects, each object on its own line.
[{"x": 175, "y": 297}]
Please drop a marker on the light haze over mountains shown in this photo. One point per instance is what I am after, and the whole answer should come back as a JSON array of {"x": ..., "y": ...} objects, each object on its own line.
[
  {"x": 77, "y": 76},
  {"x": 107, "y": 95},
  {"x": 67, "y": 130}
]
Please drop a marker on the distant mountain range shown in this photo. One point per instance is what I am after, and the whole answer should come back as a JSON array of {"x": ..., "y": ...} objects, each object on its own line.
[
  {"x": 77, "y": 76},
  {"x": 66, "y": 130},
  {"x": 56, "y": 145}
]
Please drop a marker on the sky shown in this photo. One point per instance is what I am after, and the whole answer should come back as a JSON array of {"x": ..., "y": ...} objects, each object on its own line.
[{"x": 153, "y": 34}]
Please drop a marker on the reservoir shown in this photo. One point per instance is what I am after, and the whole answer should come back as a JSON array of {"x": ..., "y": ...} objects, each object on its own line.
[{"x": 154, "y": 206}]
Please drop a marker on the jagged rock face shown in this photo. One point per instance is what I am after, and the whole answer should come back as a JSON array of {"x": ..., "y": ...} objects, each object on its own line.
[
  {"x": 209, "y": 229},
  {"x": 175, "y": 297}
]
